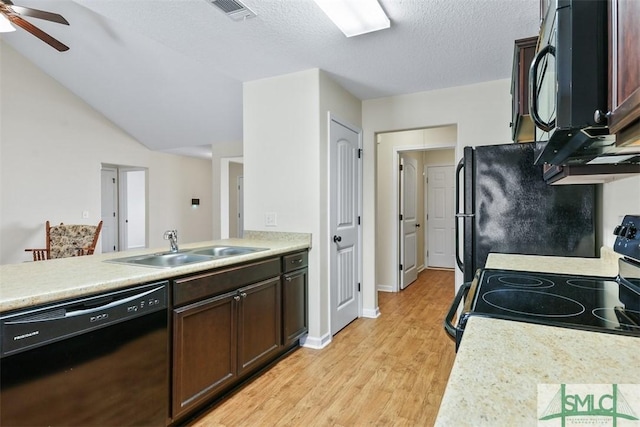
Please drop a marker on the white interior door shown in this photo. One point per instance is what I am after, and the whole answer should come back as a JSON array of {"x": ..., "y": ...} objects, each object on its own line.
[
  {"x": 408, "y": 222},
  {"x": 109, "y": 213},
  {"x": 344, "y": 219},
  {"x": 440, "y": 217}
]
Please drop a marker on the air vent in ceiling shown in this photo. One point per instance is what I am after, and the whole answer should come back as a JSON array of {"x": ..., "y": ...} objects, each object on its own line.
[{"x": 233, "y": 9}]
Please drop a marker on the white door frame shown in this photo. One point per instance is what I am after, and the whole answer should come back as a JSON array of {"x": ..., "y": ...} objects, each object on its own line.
[
  {"x": 396, "y": 197},
  {"x": 328, "y": 237},
  {"x": 224, "y": 193},
  {"x": 123, "y": 199}
]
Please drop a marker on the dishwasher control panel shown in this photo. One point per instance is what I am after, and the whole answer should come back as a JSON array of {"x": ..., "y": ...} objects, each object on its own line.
[{"x": 33, "y": 327}]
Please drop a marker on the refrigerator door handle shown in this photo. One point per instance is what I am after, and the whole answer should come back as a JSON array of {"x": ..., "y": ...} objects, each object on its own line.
[{"x": 459, "y": 215}]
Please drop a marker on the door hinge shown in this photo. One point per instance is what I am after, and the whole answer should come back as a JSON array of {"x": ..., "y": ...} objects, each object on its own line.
[
  {"x": 359, "y": 153},
  {"x": 114, "y": 214},
  {"x": 358, "y": 220},
  {"x": 400, "y": 217},
  {"x": 114, "y": 180},
  {"x": 114, "y": 247},
  {"x": 358, "y": 286},
  {"x": 401, "y": 167},
  {"x": 401, "y": 267}
]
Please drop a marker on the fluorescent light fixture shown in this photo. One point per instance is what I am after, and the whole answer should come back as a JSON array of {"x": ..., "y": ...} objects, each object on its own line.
[
  {"x": 5, "y": 25},
  {"x": 355, "y": 17}
]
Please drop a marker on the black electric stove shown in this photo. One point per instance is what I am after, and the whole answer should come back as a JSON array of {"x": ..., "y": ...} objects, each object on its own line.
[{"x": 602, "y": 304}]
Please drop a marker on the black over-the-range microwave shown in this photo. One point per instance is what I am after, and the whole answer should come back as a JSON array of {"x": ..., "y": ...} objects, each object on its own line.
[{"x": 568, "y": 84}]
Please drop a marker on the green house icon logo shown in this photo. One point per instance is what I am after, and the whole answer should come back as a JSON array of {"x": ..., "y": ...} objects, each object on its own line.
[{"x": 589, "y": 405}]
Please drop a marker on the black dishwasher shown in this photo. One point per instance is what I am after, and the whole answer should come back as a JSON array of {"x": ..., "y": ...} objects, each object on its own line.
[{"x": 94, "y": 361}]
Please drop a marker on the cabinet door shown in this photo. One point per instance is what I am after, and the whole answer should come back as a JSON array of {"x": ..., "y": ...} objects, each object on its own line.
[
  {"x": 204, "y": 350},
  {"x": 259, "y": 324},
  {"x": 295, "y": 306},
  {"x": 624, "y": 69}
]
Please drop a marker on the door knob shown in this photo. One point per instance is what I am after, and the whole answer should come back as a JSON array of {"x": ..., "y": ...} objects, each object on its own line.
[{"x": 337, "y": 239}]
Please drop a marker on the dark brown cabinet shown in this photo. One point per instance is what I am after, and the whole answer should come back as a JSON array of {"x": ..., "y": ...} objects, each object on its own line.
[
  {"x": 259, "y": 324},
  {"x": 204, "y": 351},
  {"x": 522, "y": 127},
  {"x": 624, "y": 71},
  {"x": 225, "y": 327},
  {"x": 295, "y": 298}
]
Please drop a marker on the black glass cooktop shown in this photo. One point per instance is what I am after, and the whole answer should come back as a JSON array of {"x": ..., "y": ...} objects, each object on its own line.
[{"x": 592, "y": 303}]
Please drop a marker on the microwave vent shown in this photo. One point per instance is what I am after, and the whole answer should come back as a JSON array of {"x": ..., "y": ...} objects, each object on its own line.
[{"x": 233, "y": 9}]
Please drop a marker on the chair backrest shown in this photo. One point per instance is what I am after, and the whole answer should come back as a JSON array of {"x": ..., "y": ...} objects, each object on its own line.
[{"x": 66, "y": 240}]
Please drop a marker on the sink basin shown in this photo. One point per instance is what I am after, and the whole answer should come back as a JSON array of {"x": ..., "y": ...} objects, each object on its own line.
[
  {"x": 166, "y": 260},
  {"x": 190, "y": 256},
  {"x": 225, "y": 251}
]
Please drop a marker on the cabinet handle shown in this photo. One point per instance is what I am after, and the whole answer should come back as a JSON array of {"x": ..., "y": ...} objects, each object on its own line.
[
  {"x": 296, "y": 261},
  {"x": 243, "y": 294},
  {"x": 288, "y": 278},
  {"x": 236, "y": 298},
  {"x": 337, "y": 239}
]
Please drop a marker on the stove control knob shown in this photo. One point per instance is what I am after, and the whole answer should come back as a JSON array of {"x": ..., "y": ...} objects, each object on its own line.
[
  {"x": 620, "y": 230},
  {"x": 631, "y": 232}
]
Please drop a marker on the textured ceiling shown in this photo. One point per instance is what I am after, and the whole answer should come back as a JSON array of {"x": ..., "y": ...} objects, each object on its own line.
[{"x": 170, "y": 72}]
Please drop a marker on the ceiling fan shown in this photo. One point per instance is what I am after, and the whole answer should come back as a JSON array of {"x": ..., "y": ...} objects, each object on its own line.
[{"x": 14, "y": 14}]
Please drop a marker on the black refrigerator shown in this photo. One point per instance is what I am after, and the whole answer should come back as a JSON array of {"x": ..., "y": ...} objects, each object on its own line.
[{"x": 509, "y": 208}]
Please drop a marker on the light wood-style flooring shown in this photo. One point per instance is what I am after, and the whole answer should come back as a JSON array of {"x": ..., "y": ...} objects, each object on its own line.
[{"x": 389, "y": 371}]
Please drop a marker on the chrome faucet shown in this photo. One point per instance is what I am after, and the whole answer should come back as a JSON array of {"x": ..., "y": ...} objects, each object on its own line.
[{"x": 172, "y": 237}]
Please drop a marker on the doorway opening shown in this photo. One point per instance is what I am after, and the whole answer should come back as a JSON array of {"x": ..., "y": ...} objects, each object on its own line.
[
  {"x": 123, "y": 207},
  {"x": 415, "y": 230},
  {"x": 231, "y": 197}
]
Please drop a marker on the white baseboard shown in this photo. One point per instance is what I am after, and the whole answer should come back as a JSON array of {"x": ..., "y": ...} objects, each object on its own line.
[
  {"x": 385, "y": 288},
  {"x": 371, "y": 313},
  {"x": 316, "y": 343}
]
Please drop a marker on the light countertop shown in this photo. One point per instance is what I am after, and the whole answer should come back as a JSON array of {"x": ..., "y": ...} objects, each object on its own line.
[
  {"x": 34, "y": 283},
  {"x": 605, "y": 266},
  {"x": 500, "y": 363}
]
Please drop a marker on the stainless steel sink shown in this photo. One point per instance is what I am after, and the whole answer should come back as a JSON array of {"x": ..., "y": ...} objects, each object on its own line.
[
  {"x": 225, "y": 251},
  {"x": 166, "y": 260},
  {"x": 184, "y": 257}
]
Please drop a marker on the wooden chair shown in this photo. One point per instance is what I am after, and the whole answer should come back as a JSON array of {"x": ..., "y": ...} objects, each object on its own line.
[{"x": 68, "y": 240}]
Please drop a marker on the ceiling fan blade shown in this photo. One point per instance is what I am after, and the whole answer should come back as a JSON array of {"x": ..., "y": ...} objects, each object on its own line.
[
  {"x": 38, "y": 33},
  {"x": 40, "y": 14}
]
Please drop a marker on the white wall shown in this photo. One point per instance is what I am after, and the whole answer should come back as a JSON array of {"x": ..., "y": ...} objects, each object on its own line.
[
  {"x": 481, "y": 112},
  {"x": 285, "y": 166},
  {"x": 619, "y": 198},
  {"x": 52, "y": 146}
]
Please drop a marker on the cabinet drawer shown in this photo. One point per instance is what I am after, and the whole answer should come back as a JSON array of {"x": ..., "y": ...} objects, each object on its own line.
[
  {"x": 294, "y": 261},
  {"x": 212, "y": 283}
]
